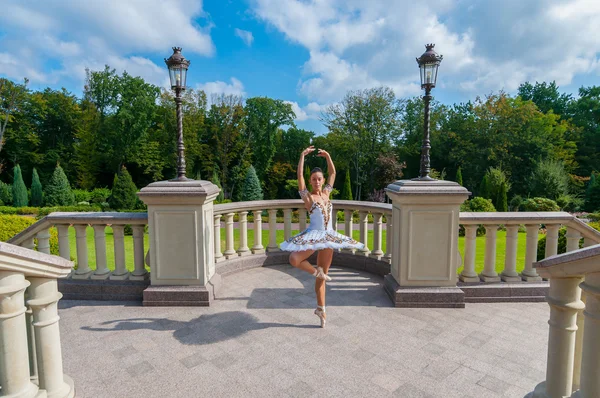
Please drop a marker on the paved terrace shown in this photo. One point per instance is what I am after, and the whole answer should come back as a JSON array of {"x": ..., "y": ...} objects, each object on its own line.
[{"x": 261, "y": 339}]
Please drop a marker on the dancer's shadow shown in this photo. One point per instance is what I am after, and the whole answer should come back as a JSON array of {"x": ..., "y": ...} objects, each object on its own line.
[{"x": 206, "y": 329}]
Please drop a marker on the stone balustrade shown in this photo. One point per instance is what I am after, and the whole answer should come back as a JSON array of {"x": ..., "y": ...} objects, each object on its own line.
[
  {"x": 574, "y": 336},
  {"x": 30, "y": 348}
]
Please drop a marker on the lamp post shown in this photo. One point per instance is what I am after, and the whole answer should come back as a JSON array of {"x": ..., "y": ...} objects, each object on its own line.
[
  {"x": 428, "y": 64},
  {"x": 178, "y": 67}
]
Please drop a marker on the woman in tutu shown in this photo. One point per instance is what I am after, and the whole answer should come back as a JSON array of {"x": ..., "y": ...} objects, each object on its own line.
[{"x": 320, "y": 235}]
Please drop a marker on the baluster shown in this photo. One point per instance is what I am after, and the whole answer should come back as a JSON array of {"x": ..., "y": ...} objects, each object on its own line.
[
  {"x": 29, "y": 243},
  {"x": 551, "y": 239},
  {"x": 489, "y": 273},
  {"x": 573, "y": 238},
  {"x": 102, "y": 271},
  {"x": 273, "y": 231},
  {"x": 258, "y": 246},
  {"x": 302, "y": 219},
  {"x": 468, "y": 274},
  {"x": 377, "y": 235},
  {"x": 388, "y": 237},
  {"x": 243, "y": 249},
  {"x": 43, "y": 301},
  {"x": 139, "y": 270},
  {"x": 43, "y": 238},
  {"x": 83, "y": 270},
  {"x": 64, "y": 248},
  {"x": 590, "y": 383},
  {"x": 287, "y": 223},
  {"x": 120, "y": 272},
  {"x": 587, "y": 242},
  {"x": 363, "y": 217},
  {"x": 218, "y": 253},
  {"x": 348, "y": 227},
  {"x": 31, "y": 340},
  {"x": 14, "y": 353},
  {"x": 229, "y": 243},
  {"x": 510, "y": 273},
  {"x": 529, "y": 273}
]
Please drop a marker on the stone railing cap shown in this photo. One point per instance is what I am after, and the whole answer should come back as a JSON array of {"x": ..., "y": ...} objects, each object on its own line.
[
  {"x": 37, "y": 263},
  {"x": 191, "y": 187},
  {"x": 440, "y": 187},
  {"x": 297, "y": 203},
  {"x": 565, "y": 259},
  {"x": 514, "y": 217}
]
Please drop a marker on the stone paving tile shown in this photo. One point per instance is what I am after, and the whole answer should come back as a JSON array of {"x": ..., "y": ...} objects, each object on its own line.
[{"x": 260, "y": 338}]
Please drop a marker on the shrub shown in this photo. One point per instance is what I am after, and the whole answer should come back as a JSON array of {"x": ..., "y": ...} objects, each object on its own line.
[
  {"x": 99, "y": 195},
  {"x": 570, "y": 202},
  {"x": 251, "y": 189},
  {"x": 484, "y": 187},
  {"x": 10, "y": 225},
  {"x": 592, "y": 194},
  {"x": 81, "y": 195},
  {"x": 593, "y": 216},
  {"x": 36, "y": 189},
  {"x": 27, "y": 210},
  {"x": 502, "y": 200},
  {"x": 595, "y": 225},
  {"x": 19, "y": 190},
  {"x": 123, "y": 194},
  {"x": 478, "y": 204},
  {"x": 44, "y": 211},
  {"x": 459, "y": 178},
  {"x": 540, "y": 204},
  {"x": 5, "y": 194},
  {"x": 217, "y": 182},
  {"x": 347, "y": 188},
  {"x": 515, "y": 203},
  {"x": 549, "y": 180},
  {"x": 58, "y": 191},
  {"x": 562, "y": 244},
  {"x": 8, "y": 210}
]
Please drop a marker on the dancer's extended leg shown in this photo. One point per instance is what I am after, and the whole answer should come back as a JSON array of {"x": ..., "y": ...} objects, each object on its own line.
[{"x": 324, "y": 261}]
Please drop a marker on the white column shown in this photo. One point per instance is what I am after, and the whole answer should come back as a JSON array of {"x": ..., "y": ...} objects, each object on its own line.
[
  {"x": 14, "y": 353},
  {"x": 348, "y": 227},
  {"x": 590, "y": 382},
  {"x": 529, "y": 273},
  {"x": 273, "y": 231},
  {"x": 229, "y": 242},
  {"x": 489, "y": 273},
  {"x": 44, "y": 304},
  {"x": 64, "y": 248},
  {"x": 31, "y": 341},
  {"x": 551, "y": 239},
  {"x": 83, "y": 270},
  {"x": 389, "y": 232},
  {"x": 573, "y": 238},
  {"x": 243, "y": 249},
  {"x": 102, "y": 271},
  {"x": 377, "y": 235},
  {"x": 287, "y": 223},
  {"x": 120, "y": 273},
  {"x": 217, "y": 226},
  {"x": 364, "y": 231},
  {"x": 468, "y": 274},
  {"x": 510, "y": 273},
  {"x": 258, "y": 246},
  {"x": 139, "y": 270},
  {"x": 564, "y": 301},
  {"x": 29, "y": 244},
  {"x": 43, "y": 238},
  {"x": 302, "y": 219}
]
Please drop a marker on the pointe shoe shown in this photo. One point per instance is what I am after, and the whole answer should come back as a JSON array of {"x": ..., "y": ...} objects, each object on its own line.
[
  {"x": 322, "y": 275},
  {"x": 321, "y": 314}
]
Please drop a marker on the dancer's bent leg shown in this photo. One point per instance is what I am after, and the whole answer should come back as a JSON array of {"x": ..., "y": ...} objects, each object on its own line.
[{"x": 299, "y": 260}]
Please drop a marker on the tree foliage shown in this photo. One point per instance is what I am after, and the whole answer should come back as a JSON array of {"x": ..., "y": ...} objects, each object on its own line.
[
  {"x": 251, "y": 189},
  {"x": 347, "y": 189},
  {"x": 36, "y": 190},
  {"x": 123, "y": 195},
  {"x": 58, "y": 190},
  {"x": 19, "y": 190}
]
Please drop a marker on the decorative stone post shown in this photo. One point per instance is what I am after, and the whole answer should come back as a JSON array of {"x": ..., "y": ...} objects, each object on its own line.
[
  {"x": 180, "y": 223},
  {"x": 425, "y": 247}
]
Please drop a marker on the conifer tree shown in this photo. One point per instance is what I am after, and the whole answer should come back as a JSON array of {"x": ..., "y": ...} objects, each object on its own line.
[
  {"x": 58, "y": 191},
  {"x": 592, "y": 195},
  {"x": 459, "y": 178},
  {"x": 502, "y": 199},
  {"x": 347, "y": 188},
  {"x": 251, "y": 189},
  {"x": 123, "y": 196},
  {"x": 36, "y": 189},
  {"x": 217, "y": 182},
  {"x": 484, "y": 188},
  {"x": 19, "y": 190}
]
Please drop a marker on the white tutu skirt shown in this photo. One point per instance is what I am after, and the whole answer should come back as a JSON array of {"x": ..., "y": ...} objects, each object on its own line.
[{"x": 318, "y": 239}]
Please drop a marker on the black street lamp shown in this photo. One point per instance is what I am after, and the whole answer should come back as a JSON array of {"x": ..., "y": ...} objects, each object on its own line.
[
  {"x": 178, "y": 67},
  {"x": 428, "y": 64}
]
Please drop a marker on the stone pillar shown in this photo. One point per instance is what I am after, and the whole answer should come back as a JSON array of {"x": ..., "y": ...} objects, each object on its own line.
[
  {"x": 229, "y": 240},
  {"x": 590, "y": 361},
  {"x": 529, "y": 273},
  {"x": 218, "y": 253},
  {"x": 258, "y": 246},
  {"x": 83, "y": 270},
  {"x": 43, "y": 301},
  {"x": 363, "y": 217},
  {"x": 64, "y": 248},
  {"x": 102, "y": 271},
  {"x": 120, "y": 273},
  {"x": 139, "y": 271},
  {"x": 348, "y": 227},
  {"x": 14, "y": 353},
  {"x": 243, "y": 250},
  {"x": 489, "y": 273},
  {"x": 551, "y": 239},
  {"x": 377, "y": 235},
  {"x": 573, "y": 238},
  {"x": 468, "y": 274},
  {"x": 425, "y": 247},
  {"x": 180, "y": 219},
  {"x": 510, "y": 273},
  {"x": 272, "y": 247}
]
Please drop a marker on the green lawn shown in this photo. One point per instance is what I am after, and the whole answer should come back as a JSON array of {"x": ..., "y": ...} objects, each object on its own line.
[{"x": 500, "y": 249}]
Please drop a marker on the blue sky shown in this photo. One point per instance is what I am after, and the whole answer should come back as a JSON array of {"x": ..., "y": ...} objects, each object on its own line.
[{"x": 308, "y": 52}]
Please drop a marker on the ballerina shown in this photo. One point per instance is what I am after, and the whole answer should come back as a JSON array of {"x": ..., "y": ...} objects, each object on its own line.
[{"x": 320, "y": 235}]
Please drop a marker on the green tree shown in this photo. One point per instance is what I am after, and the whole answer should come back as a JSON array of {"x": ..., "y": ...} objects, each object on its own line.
[
  {"x": 251, "y": 189},
  {"x": 546, "y": 97},
  {"x": 19, "y": 190},
  {"x": 58, "y": 190},
  {"x": 293, "y": 142},
  {"x": 123, "y": 195},
  {"x": 502, "y": 198},
  {"x": 36, "y": 189},
  {"x": 592, "y": 196},
  {"x": 459, "y": 178},
  {"x": 12, "y": 97},
  {"x": 550, "y": 180},
  {"x": 484, "y": 187},
  {"x": 586, "y": 115},
  {"x": 347, "y": 188},
  {"x": 307, "y": 177},
  {"x": 5, "y": 194},
  {"x": 217, "y": 182}
]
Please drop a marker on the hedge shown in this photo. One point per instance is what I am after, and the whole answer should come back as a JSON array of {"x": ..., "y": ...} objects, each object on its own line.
[
  {"x": 44, "y": 211},
  {"x": 10, "y": 225}
]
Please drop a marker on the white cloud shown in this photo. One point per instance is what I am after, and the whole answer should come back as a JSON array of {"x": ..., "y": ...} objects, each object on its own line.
[
  {"x": 312, "y": 111},
  {"x": 245, "y": 35},
  {"x": 219, "y": 87},
  {"x": 491, "y": 45},
  {"x": 300, "y": 113},
  {"x": 73, "y": 34}
]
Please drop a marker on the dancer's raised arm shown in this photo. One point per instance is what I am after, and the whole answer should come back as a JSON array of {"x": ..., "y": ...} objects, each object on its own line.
[
  {"x": 330, "y": 167},
  {"x": 300, "y": 171}
]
